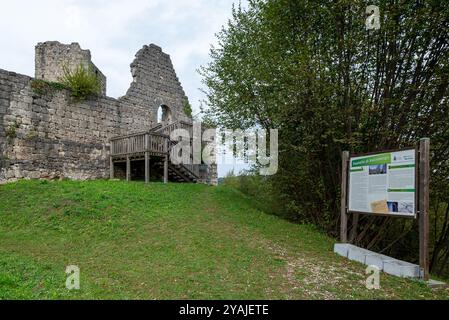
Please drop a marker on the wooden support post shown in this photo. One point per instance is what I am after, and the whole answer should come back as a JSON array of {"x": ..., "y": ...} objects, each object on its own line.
[
  {"x": 128, "y": 169},
  {"x": 147, "y": 167},
  {"x": 166, "y": 161},
  {"x": 344, "y": 184},
  {"x": 146, "y": 148},
  {"x": 355, "y": 223},
  {"x": 111, "y": 168},
  {"x": 424, "y": 181},
  {"x": 166, "y": 169}
]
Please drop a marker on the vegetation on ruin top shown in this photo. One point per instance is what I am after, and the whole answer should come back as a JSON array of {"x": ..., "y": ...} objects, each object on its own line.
[
  {"x": 43, "y": 87},
  {"x": 82, "y": 81}
]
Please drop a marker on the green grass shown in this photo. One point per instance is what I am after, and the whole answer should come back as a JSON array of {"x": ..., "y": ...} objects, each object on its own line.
[{"x": 175, "y": 241}]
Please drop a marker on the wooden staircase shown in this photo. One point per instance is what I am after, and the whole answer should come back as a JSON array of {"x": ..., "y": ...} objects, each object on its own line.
[
  {"x": 154, "y": 143},
  {"x": 178, "y": 173}
]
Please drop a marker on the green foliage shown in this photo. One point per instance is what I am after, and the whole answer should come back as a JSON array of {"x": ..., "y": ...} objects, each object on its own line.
[
  {"x": 42, "y": 87},
  {"x": 312, "y": 70},
  {"x": 187, "y": 108},
  {"x": 260, "y": 189},
  {"x": 82, "y": 81},
  {"x": 11, "y": 131},
  {"x": 137, "y": 241}
]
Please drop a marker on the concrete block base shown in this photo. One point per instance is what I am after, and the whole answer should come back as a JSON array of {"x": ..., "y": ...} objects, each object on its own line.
[
  {"x": 384, "y": 263},
  {"x": 436, "y": 284}
]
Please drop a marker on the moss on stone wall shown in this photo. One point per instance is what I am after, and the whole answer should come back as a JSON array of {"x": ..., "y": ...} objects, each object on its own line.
[{"x": 45, "y": 88}]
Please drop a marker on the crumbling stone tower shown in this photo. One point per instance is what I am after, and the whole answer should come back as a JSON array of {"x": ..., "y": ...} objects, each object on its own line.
[
  {"x": 155, "y": 85},
  {"x": 52, "y": 56}
]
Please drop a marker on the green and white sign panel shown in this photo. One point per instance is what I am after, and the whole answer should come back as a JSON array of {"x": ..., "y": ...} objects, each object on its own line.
[{"x": 383, "y": 183}]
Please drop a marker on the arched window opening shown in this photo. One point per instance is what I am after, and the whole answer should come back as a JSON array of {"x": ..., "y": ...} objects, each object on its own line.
[{"x": 163, "y": 114}]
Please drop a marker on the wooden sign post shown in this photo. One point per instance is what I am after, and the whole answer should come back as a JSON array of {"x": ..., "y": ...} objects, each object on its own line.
[
  {"x": 344, "y": 189},
  {"x": 423, "y": 202},
  {"x": 422, "y": 190}
]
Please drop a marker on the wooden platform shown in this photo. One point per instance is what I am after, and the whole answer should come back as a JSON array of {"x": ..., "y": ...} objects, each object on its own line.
[{"x": 154, "y": 143}]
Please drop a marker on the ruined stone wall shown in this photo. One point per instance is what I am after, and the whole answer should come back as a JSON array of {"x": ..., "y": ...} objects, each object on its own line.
[
  {"x": 52, "y": 137},
  {"x": 52, "y": 56},
  {"x": 155, "y": 83}
]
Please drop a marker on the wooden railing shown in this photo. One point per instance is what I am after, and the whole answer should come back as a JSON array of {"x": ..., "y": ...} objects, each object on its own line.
[
  {"x": 168, "y": 129},
  {"x": 140, "y": 142},
  {"x": 156, "y": 141}
]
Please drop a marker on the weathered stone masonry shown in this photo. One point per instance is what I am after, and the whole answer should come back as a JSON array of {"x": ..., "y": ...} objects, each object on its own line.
[
  {"x": 155, "y": 83},
  {"x": 52, "y": 137},
  {"x": 52, "y": 56}
]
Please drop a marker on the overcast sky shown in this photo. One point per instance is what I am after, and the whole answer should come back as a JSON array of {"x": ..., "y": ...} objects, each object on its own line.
[{"x": 114, "y": 30}]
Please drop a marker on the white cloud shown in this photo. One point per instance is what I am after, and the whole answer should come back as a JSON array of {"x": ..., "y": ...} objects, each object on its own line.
[{"x": 114, "y": 30}]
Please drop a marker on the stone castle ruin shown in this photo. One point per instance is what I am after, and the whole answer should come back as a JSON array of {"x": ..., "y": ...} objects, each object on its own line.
[
  {"x": 49, "y": 136},
  {"x": 51, "y": 57}
]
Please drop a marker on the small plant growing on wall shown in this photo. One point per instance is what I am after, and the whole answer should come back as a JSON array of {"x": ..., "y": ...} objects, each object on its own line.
[
  {"x": 11, "y": 131},
  {"x": 42, "y": 87},
  {"x": 82, "y": 81}
]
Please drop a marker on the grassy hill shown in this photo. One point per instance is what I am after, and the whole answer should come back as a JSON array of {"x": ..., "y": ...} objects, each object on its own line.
[{"x": 175, "y": 241}]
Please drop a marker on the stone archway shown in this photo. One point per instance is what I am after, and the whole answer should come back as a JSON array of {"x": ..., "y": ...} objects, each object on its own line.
[{"x": 164, "y": 114}]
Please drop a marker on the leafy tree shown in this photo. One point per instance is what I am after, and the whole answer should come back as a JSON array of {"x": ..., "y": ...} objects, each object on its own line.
[
  {"x": 312, "y": 70},
  {"x": 187, "y": 108}
]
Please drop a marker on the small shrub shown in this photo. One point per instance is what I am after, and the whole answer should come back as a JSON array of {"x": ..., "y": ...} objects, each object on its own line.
[
  {"x": 83, "y": 82},
  {"x": 11, "y": 131}
]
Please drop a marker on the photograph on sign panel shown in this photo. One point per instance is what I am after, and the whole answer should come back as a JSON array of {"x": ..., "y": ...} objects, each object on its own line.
[
  {"x": 379, "y": 206},
  {"x": 378, "y": 169},
  {"x": 392, "y": 206},
  {"x": 405, "y": 207}
]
